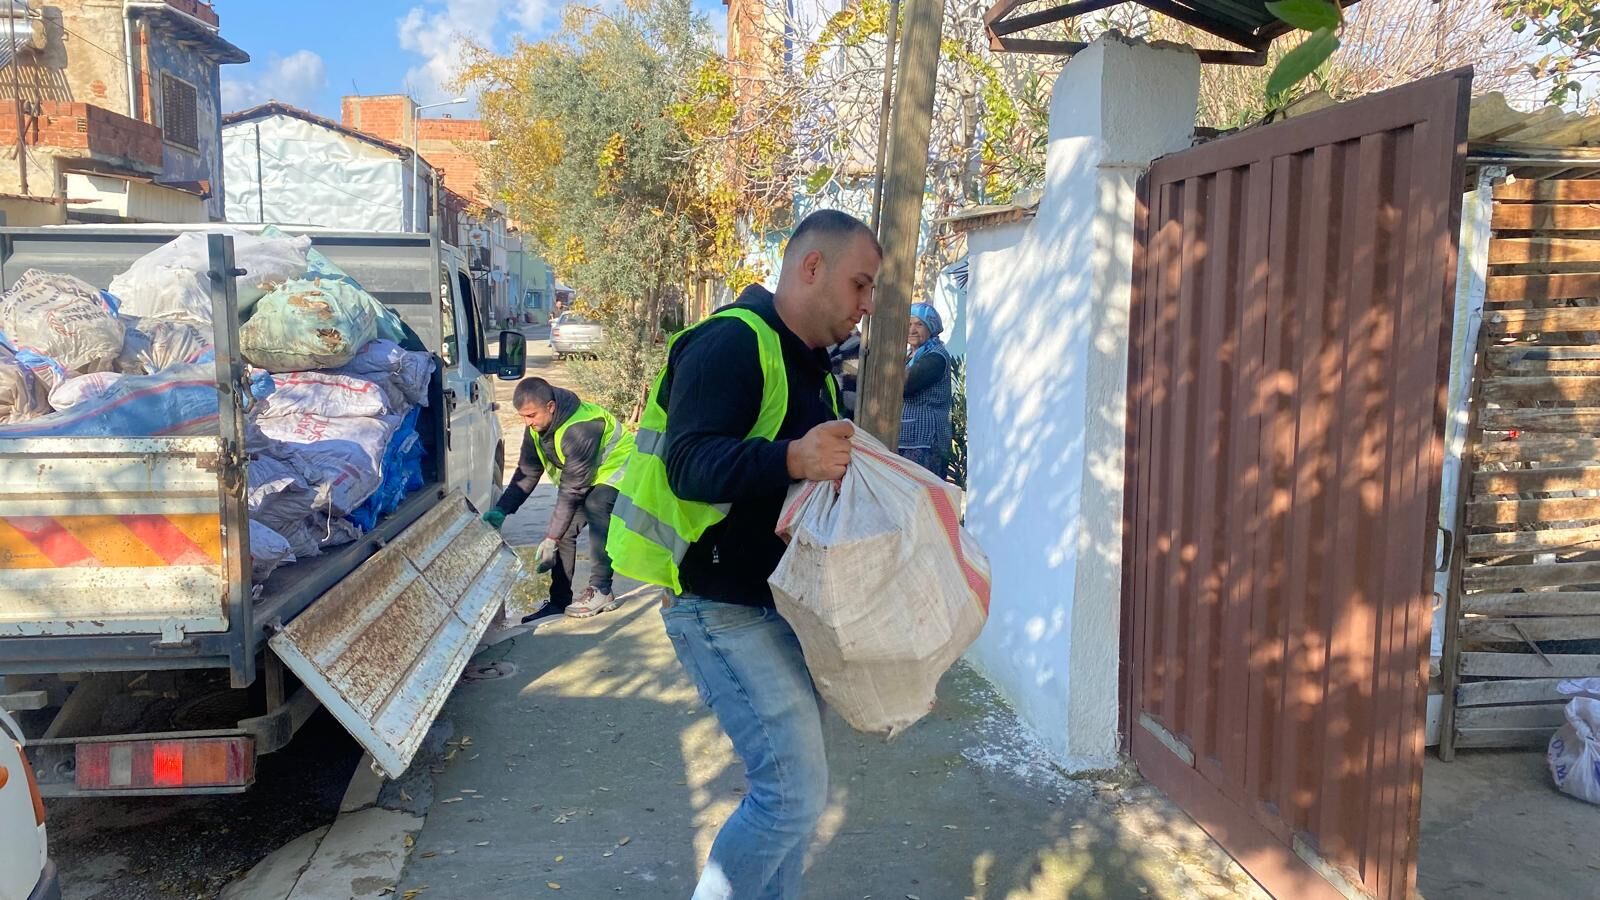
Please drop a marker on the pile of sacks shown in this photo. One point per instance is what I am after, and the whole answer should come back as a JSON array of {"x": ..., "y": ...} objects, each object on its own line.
[{"x": 332, "y": 433}]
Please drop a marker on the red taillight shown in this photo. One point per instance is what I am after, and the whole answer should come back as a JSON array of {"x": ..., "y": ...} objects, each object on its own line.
[{"x": 176, "y": 764}]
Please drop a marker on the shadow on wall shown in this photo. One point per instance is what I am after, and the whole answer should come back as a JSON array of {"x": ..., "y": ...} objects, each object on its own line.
[{"x": 1036, "y": 323}]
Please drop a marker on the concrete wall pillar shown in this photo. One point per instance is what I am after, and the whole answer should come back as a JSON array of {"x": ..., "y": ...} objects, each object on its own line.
[{"x": 1047, "y": 360}]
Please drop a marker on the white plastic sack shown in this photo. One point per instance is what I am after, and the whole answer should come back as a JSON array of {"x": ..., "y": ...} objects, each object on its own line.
[
  {"x": 63, "y": 318},
  {"x": 91, "y": 388},
  {"x": 340, "y": 458},
  {"x": 882, "y": 585},
  {"x": 151, "y": 345},
  {"x": 306, "y": 325},
  {"x": 1574, "y": 753},
  {"x": 268, "y": 551},
  {"x": 278, "y": 496},
  {"x": 325, "y": 394},
  {"x": 172, "y": 281}
]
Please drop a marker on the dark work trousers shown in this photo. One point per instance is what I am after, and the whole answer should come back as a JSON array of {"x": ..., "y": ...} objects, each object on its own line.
[{"x": 596, "y": 514}]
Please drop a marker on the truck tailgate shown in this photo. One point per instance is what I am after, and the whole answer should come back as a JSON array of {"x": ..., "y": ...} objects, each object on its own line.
[
  {"x": 384, "y": 648},
  {"x": 111, "y": 536}
]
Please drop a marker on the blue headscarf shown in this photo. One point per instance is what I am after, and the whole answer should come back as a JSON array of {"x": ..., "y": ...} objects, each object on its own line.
[{"x": 929, "y": 316}]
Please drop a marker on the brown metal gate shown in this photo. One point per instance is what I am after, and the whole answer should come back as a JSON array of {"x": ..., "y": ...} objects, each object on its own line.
[{"x": 1290, "y": 339}]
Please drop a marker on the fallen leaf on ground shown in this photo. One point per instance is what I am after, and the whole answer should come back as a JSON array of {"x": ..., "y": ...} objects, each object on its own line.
[
  {"x": 386, "y": 891},
  {"x": 609, "y": 853},
  {"x": 607, "y": 790},
  {"x": 451, "y": 800},
  {"x": 552, "y": 885},
  {"x": 430, "y": 854},
  {"x": 469, "y": 790},
  {"x": 951, "y": 828},
  {"x": 482, "y": 844},
  {"x": 404, "y": 797},
  {"x": 624, "y": 841},
  {"x": 411, "y": 841},
  {"x": 560, "y": 858}
]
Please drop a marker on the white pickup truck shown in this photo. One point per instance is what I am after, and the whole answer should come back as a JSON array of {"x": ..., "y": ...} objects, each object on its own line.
[{"x": 138, "y": 671}]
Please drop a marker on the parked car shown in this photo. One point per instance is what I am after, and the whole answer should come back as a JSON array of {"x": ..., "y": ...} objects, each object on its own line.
[
  {"x": 572, "y": 334},
  {"x": 26, "y": 872}
]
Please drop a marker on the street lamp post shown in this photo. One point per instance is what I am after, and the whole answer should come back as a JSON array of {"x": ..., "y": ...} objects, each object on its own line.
[{"x": 416, "y": 120}]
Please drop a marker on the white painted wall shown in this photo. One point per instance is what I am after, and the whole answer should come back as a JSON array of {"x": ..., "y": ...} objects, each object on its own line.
[{"x": 1047, "y": 352}]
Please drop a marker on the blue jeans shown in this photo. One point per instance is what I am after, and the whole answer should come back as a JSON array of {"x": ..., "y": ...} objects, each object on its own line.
[{"x": 747, "y": 665}]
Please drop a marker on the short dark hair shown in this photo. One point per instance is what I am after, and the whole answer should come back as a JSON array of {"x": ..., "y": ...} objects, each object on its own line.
[
  {"x": 530, "y": 391},
  {"x": 830, "y": 226}
]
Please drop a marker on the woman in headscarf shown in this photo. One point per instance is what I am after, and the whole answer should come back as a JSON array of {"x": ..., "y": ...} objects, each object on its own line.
[{"x": 925, "y": 421}]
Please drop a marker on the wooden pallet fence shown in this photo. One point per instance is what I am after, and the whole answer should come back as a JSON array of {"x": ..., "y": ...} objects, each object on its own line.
[{"x": 1529, "y": 593}]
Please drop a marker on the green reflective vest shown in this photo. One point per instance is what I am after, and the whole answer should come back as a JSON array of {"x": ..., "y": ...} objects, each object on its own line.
[
  {"x": 651, "y": 528},
  {"x": 616, "y": 444}
]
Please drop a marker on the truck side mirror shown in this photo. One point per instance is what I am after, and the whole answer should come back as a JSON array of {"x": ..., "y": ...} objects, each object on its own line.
[{"x": 513, "y": 355}]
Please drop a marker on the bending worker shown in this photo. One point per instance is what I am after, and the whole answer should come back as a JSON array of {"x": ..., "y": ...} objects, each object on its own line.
[
  {"x": 745, "y": 407},
  {"x": 582, "y": 448}
]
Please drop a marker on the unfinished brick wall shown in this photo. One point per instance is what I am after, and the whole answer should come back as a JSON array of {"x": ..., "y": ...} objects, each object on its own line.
[
  {"x": 387, "y": 118},
  {"x": 447, "y": 145},
  {"x": 95, "y": 131}
]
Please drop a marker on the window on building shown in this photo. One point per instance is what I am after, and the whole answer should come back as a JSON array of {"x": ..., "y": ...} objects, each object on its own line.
[{"x": 180, "y": 116}]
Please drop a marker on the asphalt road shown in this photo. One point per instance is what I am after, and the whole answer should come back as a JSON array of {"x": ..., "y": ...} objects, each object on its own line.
[{"x": 192, "y": 847}]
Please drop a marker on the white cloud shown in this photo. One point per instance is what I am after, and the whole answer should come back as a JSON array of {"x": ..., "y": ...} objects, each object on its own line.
[
  {"x": 295, "y": 79},
  {"x": 440, "y": 30}
]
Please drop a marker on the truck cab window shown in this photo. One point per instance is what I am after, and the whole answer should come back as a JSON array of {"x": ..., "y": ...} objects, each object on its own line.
[
  {"x": 449, "y": 346},
  {"x": 476, "y": 348}
]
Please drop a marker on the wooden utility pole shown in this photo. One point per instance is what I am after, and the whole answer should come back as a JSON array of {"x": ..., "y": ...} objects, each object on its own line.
[{"x": 883, "y": 362}]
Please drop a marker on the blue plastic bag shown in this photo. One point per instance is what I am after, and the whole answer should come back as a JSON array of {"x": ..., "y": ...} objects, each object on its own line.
[
  {"x": 401, "y": 474},
  {"x": 179, "y": 401}
]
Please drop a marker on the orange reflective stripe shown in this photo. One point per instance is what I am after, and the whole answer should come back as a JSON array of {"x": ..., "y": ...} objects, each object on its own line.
[
  {"x": 111, "y": 541},
  {"x": 18, "y": 552},
  {"x": 52, "y": 542}
]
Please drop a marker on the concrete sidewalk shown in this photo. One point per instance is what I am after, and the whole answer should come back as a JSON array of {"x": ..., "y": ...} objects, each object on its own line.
[{"x": 592, "y": 769}]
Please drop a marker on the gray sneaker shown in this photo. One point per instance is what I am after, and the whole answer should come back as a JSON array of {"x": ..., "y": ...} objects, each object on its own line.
[{"x": 591, "y": 603}]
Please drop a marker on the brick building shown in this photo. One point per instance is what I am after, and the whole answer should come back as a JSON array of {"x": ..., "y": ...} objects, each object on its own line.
[{"x": 119, "y": 105}]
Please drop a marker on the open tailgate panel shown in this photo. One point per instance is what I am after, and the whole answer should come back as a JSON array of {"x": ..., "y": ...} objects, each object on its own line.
[{"x": 383, "y": 648}]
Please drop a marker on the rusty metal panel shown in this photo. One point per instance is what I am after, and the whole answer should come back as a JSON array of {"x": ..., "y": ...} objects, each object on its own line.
[
  {"x": 383, "y": 649},
  {"x": 1289, "y": 360}
]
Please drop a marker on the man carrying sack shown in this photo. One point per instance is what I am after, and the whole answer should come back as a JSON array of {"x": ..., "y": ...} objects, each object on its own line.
[
  {"x": 583, "y": 449},
  {"x": 745, "y": 407}
]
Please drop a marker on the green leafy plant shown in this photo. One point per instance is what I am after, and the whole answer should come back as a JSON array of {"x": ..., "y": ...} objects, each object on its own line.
[
  {"x": 1323, "y": 20},
  {"x": 1571, "y": 29}
]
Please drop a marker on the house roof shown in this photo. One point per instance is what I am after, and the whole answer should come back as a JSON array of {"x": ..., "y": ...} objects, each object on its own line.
[
  {"x": 188, "y": 28},
  {"x": 1247, "y": 23},
  {"x": 278, "y": 108}
]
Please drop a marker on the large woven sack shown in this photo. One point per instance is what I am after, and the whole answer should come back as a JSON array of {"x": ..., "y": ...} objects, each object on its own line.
[
  {"x": 306, "y": 325},
  {"x": 65, "y": 319},
  {"x": 173, "y": 281},
  {"x": 882, "y": 585}
]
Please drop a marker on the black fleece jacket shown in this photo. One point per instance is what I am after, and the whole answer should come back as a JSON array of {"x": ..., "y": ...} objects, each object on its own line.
[
  {"x": 712, "y": 395},
  {"x": 580, "y": 447}
]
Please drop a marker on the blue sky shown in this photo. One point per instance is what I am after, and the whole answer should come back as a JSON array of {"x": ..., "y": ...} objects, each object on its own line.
[{"x": 312, "y": 52}]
